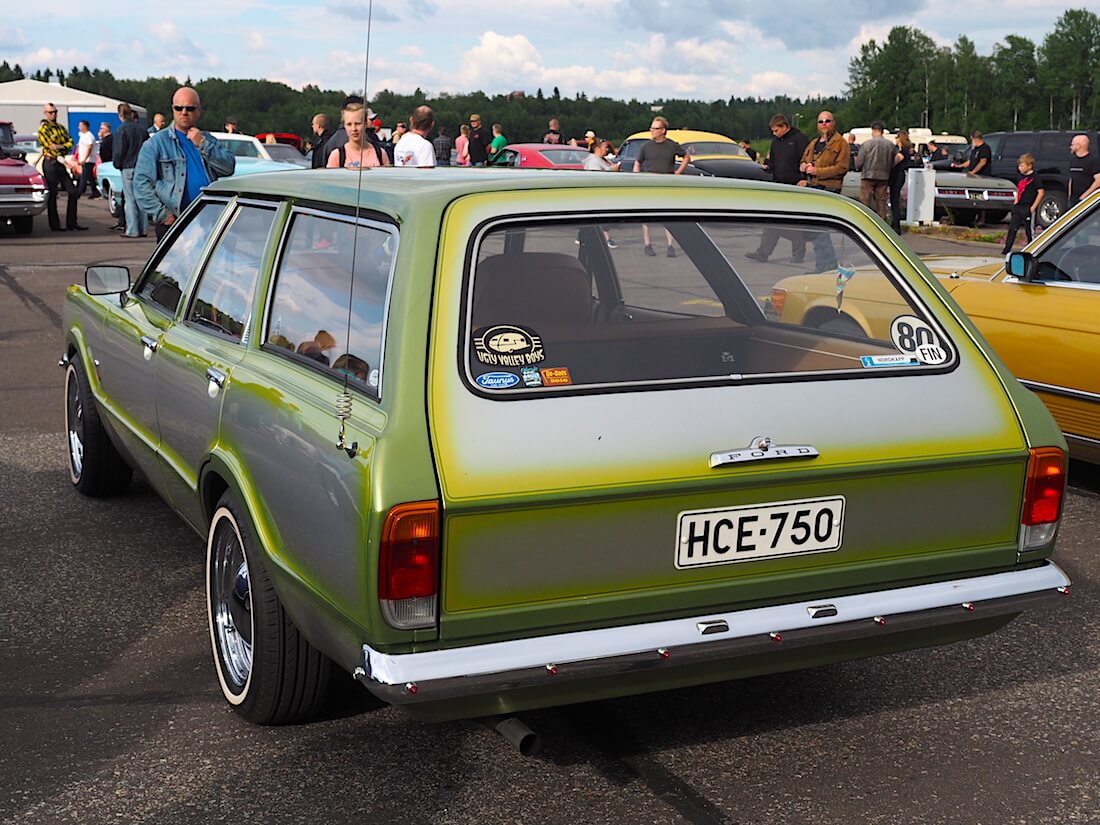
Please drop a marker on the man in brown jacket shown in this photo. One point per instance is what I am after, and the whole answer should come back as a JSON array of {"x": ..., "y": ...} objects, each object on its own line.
[{"x": 825, "y": 163}]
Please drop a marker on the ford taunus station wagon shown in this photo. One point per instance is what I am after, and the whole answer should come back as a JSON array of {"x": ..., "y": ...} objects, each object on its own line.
[{"x": 440, "y": 435}]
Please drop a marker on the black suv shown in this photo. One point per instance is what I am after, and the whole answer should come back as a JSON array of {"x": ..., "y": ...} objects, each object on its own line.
[{"x": 1052, "y": 159}]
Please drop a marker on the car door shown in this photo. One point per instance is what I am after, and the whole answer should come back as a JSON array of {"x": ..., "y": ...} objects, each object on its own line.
[
  {"x": 1048, "y": 331},
  {"x": 132, "y": 336},
  {"x": 196, "y": 356}
]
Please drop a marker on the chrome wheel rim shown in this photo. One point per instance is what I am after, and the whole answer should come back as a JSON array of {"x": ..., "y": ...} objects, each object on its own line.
[
  {"x": 231, "y": 594},
  {"x": 74, "y": 424},
  {"x": 1049, "y": 213}
]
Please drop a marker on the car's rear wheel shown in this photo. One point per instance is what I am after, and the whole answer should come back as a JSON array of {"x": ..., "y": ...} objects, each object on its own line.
[
  {"x": 1051, "y": 207},
  {"x": 268, "y": 672},
  {"x": 842, "y": 325},
  {"x": 23, "y": 225},
  {"x": 964, "y": 217},
  {"x": 995, "y": 215},
  {"x": 95, "y": 466},
  {"x": 114, "y": 205}
]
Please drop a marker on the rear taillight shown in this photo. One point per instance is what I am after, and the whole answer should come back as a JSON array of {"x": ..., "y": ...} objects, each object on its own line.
[
  {"x": 408, "y": 565},
  {"x": 1046, "y": 486},
  {"x": 779, "y": 298}
]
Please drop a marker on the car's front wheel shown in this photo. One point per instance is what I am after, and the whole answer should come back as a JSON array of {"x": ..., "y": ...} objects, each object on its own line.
[
  {"x": 268, "y": 672},
  {"x": 95, "y": 466},
  {"x": 114, "y": 200}
]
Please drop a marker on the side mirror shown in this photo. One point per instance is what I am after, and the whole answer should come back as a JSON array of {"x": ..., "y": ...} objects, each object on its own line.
[
  {"x": 1021, "y": 265},
  {"x": 106, "y": 280}
]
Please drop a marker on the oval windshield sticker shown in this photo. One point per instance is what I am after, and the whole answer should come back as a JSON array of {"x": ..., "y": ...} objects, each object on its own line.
[
  {"x": 497, "y": 380},
  {"x": 916, "y": 338},
  {"x": 506, "y": 345}
]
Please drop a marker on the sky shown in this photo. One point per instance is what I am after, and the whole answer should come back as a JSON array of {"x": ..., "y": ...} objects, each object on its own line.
[{"x": 644, "y": 49}]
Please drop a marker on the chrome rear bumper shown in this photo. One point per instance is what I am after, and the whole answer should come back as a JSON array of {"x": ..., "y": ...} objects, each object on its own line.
[{"x": 478, "y": 669}]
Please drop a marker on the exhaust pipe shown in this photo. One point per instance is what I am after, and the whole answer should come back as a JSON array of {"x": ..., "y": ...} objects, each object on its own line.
[{"x": 525, "y": 740}]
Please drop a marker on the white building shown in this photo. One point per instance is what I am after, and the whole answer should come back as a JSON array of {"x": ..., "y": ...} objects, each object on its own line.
[{"x": 21, "y": 102}]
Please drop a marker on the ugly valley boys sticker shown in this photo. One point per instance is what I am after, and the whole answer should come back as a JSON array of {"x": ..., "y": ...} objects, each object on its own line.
[{"x": 506, "y": 345}]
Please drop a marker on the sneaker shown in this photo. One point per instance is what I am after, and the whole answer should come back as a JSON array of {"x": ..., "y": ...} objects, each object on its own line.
[
  {"x": 649, "y": 250},
  {"x": 756, "y": 256},
  {"x": 612, "y": 243},
  {"x": 671, "y": 253}
]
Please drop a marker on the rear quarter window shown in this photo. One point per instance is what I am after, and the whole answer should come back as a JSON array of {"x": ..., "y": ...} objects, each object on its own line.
[{"x": 560, "y": 306}]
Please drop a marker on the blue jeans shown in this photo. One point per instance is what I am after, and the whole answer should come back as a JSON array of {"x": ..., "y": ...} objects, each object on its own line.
[{"x": 136, "y": 223}]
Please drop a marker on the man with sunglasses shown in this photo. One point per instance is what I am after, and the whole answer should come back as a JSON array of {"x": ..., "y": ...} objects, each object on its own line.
[
  {"x": 176, "y": 163},
  {"x": 56, "y": 142},
  {"x": 825, "y": 163}
]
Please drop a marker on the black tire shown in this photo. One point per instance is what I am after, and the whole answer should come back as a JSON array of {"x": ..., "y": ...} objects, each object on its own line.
[
  {"x": 95, "y": 466},
  {"x": 1051, "y": 207},
  {"x": 995, "y": 215},
  {"x": 964, "y": 217},
  {"x": 842, "y": 325},
  {"x": 267, "y": 670},
  {"x": 23, "y": 225}
]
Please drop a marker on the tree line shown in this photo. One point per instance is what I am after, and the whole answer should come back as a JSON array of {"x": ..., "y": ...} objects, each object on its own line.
[{"x": 907, "y": 80}]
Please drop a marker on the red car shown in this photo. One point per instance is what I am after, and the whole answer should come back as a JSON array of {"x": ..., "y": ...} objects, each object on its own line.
[
  {"x": 541, "y": 156},
  {"x": 22, "y": 189}
]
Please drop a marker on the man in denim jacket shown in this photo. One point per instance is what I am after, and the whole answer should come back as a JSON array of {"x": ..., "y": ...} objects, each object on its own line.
[{"x": 176, "y": 163}]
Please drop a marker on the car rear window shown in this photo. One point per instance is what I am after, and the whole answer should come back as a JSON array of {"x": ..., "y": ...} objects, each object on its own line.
[{"x": 555, "y": 306}]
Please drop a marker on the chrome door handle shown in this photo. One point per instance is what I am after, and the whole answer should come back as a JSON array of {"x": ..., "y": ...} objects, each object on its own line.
[
  {"x": 150, "y": 343},
  {"x": 215, "y": 376}
]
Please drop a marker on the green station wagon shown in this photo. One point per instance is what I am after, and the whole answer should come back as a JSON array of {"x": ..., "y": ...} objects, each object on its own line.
[{"x": 455, "y": 433}]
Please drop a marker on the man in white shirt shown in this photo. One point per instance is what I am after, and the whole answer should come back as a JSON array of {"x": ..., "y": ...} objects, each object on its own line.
[
  {"x": 414, "y": 148},
  {"x": 85, "y": 155}
]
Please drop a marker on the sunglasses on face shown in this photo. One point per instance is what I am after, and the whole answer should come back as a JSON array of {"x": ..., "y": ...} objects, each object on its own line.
[
  {"x": 51, "y": 111},
  {"x": 185, "y": 108},
  {"x": 826, "y": 120}
]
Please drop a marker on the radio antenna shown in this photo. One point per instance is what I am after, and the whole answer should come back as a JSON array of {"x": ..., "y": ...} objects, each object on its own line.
[{"x": 344, "y": 399}]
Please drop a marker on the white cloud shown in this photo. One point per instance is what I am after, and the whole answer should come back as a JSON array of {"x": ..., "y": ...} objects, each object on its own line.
[
  {"x": 177, "y": 53},
  {"x": 410, "y": 51},
  {"x": 498, "y": 60},
  {"x": 256, "y": 42},
  {"x": 12, "y": 38}
]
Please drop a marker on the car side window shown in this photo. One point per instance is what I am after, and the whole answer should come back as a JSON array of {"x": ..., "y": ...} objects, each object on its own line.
[
  {"x": 242, "y": 148},
  {"x": 1013, "y": 146},
  {"x": 1075, "y": 256},
  {"x": 169, "y": 277},
  {"x": 223, "y": 300},
  {"x": 332, "y": 271}
]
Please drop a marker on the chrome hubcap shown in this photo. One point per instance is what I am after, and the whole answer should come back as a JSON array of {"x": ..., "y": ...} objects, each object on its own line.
[
  {"x": 74, "y": 423},
  {"x": 232, "y": 596}
]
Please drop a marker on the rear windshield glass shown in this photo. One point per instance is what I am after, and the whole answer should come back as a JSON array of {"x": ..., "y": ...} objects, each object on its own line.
[{"x": 554, "y": 306}]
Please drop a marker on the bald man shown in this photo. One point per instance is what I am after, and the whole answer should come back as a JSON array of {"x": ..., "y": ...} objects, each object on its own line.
[{"x": 177, "y": 162}]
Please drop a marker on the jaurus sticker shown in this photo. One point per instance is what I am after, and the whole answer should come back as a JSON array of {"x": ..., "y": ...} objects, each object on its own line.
[
  {"x": 913, "y": 336},
  {"x": 508, "y": 346},
  {"x": 555, "y": 376}
]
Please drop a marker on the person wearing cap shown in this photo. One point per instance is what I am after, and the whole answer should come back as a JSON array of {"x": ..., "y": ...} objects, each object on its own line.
[
  {"x": 231, "y": 125},
  {"x": 479, "y": 138},
  {"x": 590, "y": 140}
]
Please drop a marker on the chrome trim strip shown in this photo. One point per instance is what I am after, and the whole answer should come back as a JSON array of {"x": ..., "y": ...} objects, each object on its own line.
[
  {"x": 1088, "y": 286},
  {"x": 1054, "y": 389},
  {"x": 504, "y": 658}
]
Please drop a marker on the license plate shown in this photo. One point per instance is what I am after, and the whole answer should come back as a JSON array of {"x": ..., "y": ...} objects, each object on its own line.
[{"x": 759, "y": 531}]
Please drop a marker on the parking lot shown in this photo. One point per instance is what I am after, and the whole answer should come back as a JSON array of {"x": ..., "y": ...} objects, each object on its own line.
[{"x": 110, "y": 711}]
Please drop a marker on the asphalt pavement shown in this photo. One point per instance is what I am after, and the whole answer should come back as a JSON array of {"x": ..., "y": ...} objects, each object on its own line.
[{"x": 110, "y": 710}]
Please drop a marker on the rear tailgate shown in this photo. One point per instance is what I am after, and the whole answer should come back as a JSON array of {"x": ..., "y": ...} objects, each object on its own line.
[{"x": 568, "y": 512}]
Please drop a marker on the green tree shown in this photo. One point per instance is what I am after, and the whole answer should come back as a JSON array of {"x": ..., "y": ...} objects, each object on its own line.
[
  {"x": 1014, "y": 78},
  {"x": 1068, "y": 62}
]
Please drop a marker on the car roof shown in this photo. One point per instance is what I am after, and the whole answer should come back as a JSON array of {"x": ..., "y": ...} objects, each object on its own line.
[
  {"x": 403, "y": 192},
  {"x": 682, "y": 135}
]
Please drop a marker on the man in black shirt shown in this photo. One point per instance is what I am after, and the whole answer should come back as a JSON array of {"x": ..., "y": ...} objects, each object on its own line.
[
  {"x": 442, "y": 146},
  {"x": 322, "y": 134},
  {"x": 1084, "y": 170},
  {"x": 480, "y": 138},
  {"x": 981, "y": 157},
  {"x": 788, "y": 146}
]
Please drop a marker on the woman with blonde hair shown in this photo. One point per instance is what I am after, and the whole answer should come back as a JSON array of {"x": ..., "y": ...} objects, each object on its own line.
[{"x": 358, "y": 152}]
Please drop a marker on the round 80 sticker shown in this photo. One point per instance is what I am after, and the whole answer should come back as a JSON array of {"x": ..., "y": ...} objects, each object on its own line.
[{"x": 916, "y": 338}]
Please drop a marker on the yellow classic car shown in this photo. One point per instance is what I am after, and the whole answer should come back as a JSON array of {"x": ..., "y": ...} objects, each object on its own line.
[
  {"x": 1039, "y": 309},
  {"x": 712, "y": 154}
]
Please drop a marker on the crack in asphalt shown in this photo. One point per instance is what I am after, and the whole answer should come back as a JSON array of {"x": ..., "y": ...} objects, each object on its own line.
[{"x": 29, "y": 299}]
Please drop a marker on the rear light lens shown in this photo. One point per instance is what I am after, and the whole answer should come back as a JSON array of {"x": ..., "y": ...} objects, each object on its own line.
[
  {"x": 408, "y": 565},
  {"x": 779, "y": 298},
  {"x": 1046, "y": 486}
]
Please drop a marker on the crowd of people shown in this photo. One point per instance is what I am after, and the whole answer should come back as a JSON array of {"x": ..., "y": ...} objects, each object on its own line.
[{"x": 156, "y": 191}]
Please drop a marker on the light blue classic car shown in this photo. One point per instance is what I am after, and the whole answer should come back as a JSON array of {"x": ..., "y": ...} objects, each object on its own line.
[{"x": 110, "y": 178}]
